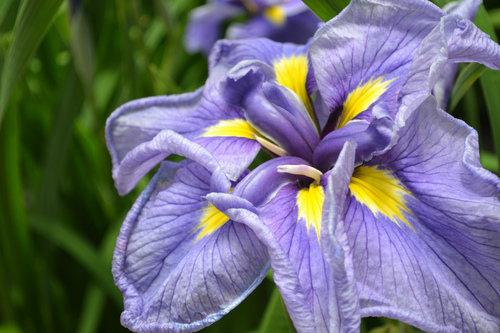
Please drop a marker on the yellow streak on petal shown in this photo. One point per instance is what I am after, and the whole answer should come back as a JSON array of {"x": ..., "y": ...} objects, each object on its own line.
[
  {"x": 381, "y": 192},
  {"x": 212, "y": 220},
  {"x": 310, "y": 201},
  {"x": 361, "y": 98},
  {"x": 233, "y": 128},
  {"x": 276, "y": 15},
  {"x": 292, "y": 73}
]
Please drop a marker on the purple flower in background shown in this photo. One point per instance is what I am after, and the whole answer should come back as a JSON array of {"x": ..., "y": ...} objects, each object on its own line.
[
  {"x": 374, "y": 203},
  {"x": 279, "y": 20}
]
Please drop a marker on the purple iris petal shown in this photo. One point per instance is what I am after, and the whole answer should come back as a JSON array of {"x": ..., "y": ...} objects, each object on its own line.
[
  {"x": 444, "y": 276},
  {"x": 442, "y": 89},
  {"x": 454, "y": 40},
  {"x": 171, "y": 281},
  {"x": 230, "y": 53},
  {"x": 316, "y": 280},
  {"x": 145, "y": 156},
  {"x": 372, "y": 139},
  {"x": 363, "y": 43},
  {"x": 268, "y": 110}
]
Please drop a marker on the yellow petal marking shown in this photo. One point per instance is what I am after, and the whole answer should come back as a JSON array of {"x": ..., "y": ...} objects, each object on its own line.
[
  {"x": 276, "y": 15},
  {"x": 212, "y": 220},
  {"x": 310, "y": 202},
  {"x": 292, "y": 73},
  {"x": 381, "y": 192},
  {"x": 361, "y": 98},
  {"x": 232, "y": 127}
]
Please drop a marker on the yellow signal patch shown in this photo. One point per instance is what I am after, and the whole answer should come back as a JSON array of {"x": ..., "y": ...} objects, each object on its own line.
[
  {"x": 310, "y": 203},
  {"x": 361, "y": 98},
  {"x": 233, "y": 127},
  {"x": 276, "y": 15},
  {"x": 292, "y": 73},
  {"x": 381, "y": 192},
  {"x": 212, "y": 220}
]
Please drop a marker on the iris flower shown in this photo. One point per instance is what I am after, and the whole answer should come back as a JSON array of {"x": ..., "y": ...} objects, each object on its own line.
[
  {"x": 280, "y": 20},
  {"x": 375, "y": 203}
]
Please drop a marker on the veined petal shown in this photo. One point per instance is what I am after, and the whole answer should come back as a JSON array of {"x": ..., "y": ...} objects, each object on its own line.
[
  {"x": 231, "y": 52},
  {"x": 173, "y": 279},
  {"x": 372, "y": 139},
  {"x": 270, "y": 109},
  {"x": 319, "y": 293},
  {"x": 454, "y": 40},
  {"x": 444, "y": 276},
  {"x": 361, "y": 98},
  {"x": 139, "y": 121},
  {"x": 370, "y": 39}
]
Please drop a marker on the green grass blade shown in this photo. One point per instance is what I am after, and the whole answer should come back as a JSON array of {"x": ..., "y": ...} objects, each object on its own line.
[
  {"x": 326, "y": 9},
  {"x": 464, "y": 81},
  {"x": 81, "y": 251},
  {"x": 32, "y": 22},
  {"x": 495, "y": 17},
  {"x": 490, "y": 81},
  {"x": 276, "y": 318}
]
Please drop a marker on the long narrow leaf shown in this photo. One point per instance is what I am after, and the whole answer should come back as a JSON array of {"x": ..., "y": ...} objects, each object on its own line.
[
  {"x": 32, "y": 22},
  {"x": 81, "y": 251},
  {"x": 464, "y": 81},
  {"x": 326, "y": 9},
  {"x": 490, "y": 81}
]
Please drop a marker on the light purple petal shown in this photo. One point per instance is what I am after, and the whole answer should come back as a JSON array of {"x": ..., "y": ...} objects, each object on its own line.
[
  {"x": 139, "y": 121},
  {"x": 230, "y": 53},
  {"x": 205, "y": 25},
  {"x": 268, "y": 110},
  {"x": 145, "y": 156},
  {"x": 370, "y": 39},
  {"x": 318, "y": 288},
  {"x": 372, "y": 139},
  {"x": 445, "y": 275},
  {"x": 170, "y": 282},
  {"x": 444, "y": 85},
  {"x": 454, "y": 40}
]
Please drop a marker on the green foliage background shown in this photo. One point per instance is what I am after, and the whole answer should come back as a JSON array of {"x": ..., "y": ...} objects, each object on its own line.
[{"x": 62, "y": 73}]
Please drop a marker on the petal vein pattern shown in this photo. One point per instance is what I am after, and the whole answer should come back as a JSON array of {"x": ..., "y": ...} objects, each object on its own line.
[
  {"x": 361, "y": 98},
  {"x": 381, "y": 192},
  {"x": 310, "y": 203}
]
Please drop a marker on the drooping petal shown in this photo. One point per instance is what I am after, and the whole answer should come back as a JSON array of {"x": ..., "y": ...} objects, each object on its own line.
[
  {"x": 181, "y": 263},
  {"x": 308, "y": 253},
  {"x": 139, "y": 121},
  {"x": 145, "y": 156},
  {"x": 370, "y": 40},
  {"x": 454, "y": 40},
  {"x": 231, "y": 52},
  {"x": 198, "y": 116},
  {"x": 205, "y": 25},
  {"x": 442, "y": 88},
  {"x": 439, "y": 270}
]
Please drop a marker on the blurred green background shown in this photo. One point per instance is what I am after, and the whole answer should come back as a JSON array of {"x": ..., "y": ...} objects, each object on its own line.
[{"x": 66, "y": 65}]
